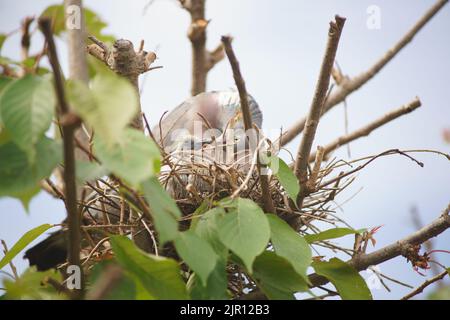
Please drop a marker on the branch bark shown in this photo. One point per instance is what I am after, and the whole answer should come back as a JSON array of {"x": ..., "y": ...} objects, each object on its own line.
[
  {"x": 76, "y": 46},
  {"x": 348, "y": 86},
  {"x": 363, "y": 261},
  {"x": 315, "y": 112},
  {"x": 428, "y": 282},
  {"x": 125, "y": 61},
  {"x": 366, "y": 130},
  {"x": 68, "y": 130},
  {"x": 240, "y": 84},
  {"x": 202, "y": 59}
]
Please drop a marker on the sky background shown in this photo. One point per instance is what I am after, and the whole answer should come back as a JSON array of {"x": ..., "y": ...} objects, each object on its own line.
[{"x": 280, "y": 45}]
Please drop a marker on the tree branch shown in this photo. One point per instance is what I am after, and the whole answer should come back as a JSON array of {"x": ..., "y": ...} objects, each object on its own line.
[
  {"x": 315, "y": 112},
  {"x": 428, "y": 282},
  {"x": 350, "y": 85},
  {"x": 363, "y": 261},
  {"x": 68, "y": 129},
  {"x": 76, "y": 46},
  {"x": 240, "y": 84},
  {"x": 202, "y": 60},
  {"x": 366, "y": 130},
  {"x": 125, "y": 61}
]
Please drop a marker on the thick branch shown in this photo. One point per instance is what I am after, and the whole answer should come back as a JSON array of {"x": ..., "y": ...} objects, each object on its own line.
[
  {"x": 68, "y": 129},
  {"x": 125, "y": 61},
  {"x": 240, "y": 84},
  {"x": 362, "y": 262},
  {"x": 202, "y": 59},
  {"x": 76, "y": 44},
  {"x": 366, "y": 130},
  {"x": 301, "y": 163},
  {"x": 349, "y": 85}
]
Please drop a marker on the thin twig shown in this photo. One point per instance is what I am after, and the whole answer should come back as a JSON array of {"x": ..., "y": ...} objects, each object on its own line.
[
  {"x": 366, "y": 130},
  {"x": 363, "y": 261},
  {"x": 351, "y": 85},
  {"x": 240, "y": 84},
  {"x": 12, "y": 266},
  {"x": 420, "y": 288}
]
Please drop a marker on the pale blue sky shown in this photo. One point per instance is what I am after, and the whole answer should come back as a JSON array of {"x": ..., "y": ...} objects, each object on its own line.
[{"x": 280, "y": 46}]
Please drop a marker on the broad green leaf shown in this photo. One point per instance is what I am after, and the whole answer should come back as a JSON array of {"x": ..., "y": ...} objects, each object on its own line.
[
  {"x": 163, "y": 209},
  {"x": 88, "y": 171},
  {"x": 94, "y": 25},
  {"x": 125, "y": 289},
  {"x": 276, "y": 277},
  {"x": 286, "y": 177},
  {"x": 108, "y": 107},
  {"x": 32, "y": 285},
  {"x": 331, "y": 234},
  {"x": 290, "y": 245},
  {"x": 23, "y": 242},
  {"x": 244, "y": 230},
  {"x": 216, "y": 289},
  {"x": 348, "y": 282},
  {"x": 197, "y": 253},
  {"x": 134, "y": 159},
  {"x": 204, "y": 206},
  {"x": 158, "y": 275},
  {"x": 17, "y": 176},
  {"x": 5, "y": 81},
  {"x": 207, "y": 226},
  {"x": 27, "y": 107}
]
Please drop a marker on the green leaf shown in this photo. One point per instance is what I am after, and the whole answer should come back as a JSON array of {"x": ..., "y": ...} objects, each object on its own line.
[
  {"x": 348, "y": 282},
  {"x": 216, "y": 289},
  {"x": 158, "y": 275},
  {"x": 108, "y": 107},
  {"x": 19, "y": 178},
  {"x": 27, "y": 107},
  {"x": 5, "y": 81},
  {"x": 163, "y": 209},
  {"x": 134, "y": 159},
  {"x": 285, "y": 176},
  {"x": 244, "y": 230},
  {"x": 125, "y": 289},
  {"x": 207, "y": 227},
  {"x": 88, "y": 171},
  {"x": 23, "y": 242},
  {"x": 33, "y": 285},
  {"x": 276, "y": 277},
  {"x": 331, "y": 234},
  {"x": 290, "y": 245},
  {"x": 198, "y": 254}
]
